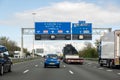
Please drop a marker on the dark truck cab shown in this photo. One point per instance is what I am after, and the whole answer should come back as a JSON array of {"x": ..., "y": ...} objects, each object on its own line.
[
  {"x": 70, "y": 55},
  {"x": 5, "y": 61}
]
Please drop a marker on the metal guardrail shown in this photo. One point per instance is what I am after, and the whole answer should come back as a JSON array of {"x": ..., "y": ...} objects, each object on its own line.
[{"x": 16, "y": 60}]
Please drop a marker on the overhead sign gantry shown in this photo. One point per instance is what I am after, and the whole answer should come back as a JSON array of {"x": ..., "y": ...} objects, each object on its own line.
[
  {"x": 31, "y": 31},
  {"x": 63, "y": 31}
]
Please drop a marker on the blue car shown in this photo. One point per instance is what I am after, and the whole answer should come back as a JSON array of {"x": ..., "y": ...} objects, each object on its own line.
[{"x": 51, "y": 60}]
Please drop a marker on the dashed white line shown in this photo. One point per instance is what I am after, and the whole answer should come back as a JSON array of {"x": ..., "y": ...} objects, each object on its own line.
[
  {"x": 109, "y": 70},
  {"x": 100, "y": 68},
  {"x": 36, "y": 65},
  {"x": 26, "y": 71},
  {"x": 71, "y": 72},
  {"x": 64, "y": 66},
  {"x": 118, "y": 73}
]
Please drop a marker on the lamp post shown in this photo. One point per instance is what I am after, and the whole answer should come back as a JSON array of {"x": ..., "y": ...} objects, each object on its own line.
[
  {"x": 21, "y": 54},
  {"x": 33, "y": 51}
]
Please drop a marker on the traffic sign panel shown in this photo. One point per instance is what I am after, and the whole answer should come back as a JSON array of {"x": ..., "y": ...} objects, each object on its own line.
[
  {"x": 62, "y": 31},
  {"x": 52, "y": 30},
  {"x": 82, "y": 28},
  {"x": 52, "y": 27},
  {"x": 82, "y": 31}
]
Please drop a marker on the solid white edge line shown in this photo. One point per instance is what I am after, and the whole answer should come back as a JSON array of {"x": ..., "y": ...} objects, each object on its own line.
[
  {"x": 25, "y": 71},
  {"x": 71, "y": 72}
]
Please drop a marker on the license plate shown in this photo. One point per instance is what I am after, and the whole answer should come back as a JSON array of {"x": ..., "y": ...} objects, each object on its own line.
[{"x": 52, "y": 63}]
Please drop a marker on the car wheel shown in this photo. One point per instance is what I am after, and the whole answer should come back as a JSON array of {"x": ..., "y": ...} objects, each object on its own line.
[
  {"x": 45, "y": 66},
  {"x": 10, "y": 70},
  {"x": 2, "y": 70},
  {"x": 58, "y": 66},
  {"x": 101, "y": 65}
]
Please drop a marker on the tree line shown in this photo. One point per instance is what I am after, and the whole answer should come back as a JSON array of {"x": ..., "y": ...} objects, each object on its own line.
[
  {"x": 88, "y": 51},
  {"x": 11, "y": 46}
]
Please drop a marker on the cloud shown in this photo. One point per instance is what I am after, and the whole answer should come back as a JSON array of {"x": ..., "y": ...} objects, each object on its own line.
[{"x": 69, "y": 11}]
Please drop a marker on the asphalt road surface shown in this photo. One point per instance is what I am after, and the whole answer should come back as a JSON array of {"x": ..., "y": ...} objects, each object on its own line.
[{"x": 34, "y": 70}]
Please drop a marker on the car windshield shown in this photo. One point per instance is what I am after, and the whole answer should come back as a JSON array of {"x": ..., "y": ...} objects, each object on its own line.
[{"x": 52, "y": 56}]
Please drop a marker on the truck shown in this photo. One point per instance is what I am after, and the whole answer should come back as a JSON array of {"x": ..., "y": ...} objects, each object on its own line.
[
  {"x": 109, "y": 49},
  {"x": 70, "y": 55}
]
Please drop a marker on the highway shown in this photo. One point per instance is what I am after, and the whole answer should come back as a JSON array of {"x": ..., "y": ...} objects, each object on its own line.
[{"x": 34, "y": 70}]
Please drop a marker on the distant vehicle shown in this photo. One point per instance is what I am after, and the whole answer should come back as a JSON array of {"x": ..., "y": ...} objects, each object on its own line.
[
  {"x": 109, "y": 49},
  {"x": 70, "y": 55},
  {"x": 51, "y": 60},
  {"x": 5, "y": 61}
]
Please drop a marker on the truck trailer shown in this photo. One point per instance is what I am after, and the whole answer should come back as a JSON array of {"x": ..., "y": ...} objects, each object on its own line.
[
  {"x": 109, "y": 49},
  {"x": 70, "y": 55}
]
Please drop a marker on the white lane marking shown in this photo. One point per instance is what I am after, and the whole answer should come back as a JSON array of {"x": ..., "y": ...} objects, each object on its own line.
[
  {"x": 118, "y": 73},
  {"x": 36, "y": 65},
  {"x": 100, "y": 68},
  {"x": 109, "y": 70},
  {"x": 26, "y": 71},
  {"x": 71, "y": 72},
  {"x": 64, "y": 66}
]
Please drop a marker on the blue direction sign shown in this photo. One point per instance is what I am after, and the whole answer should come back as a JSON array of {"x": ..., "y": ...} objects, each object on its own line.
[
  {"x": 52, "y": 27},
  {"x": 62, "y": 31},
  {"x": 81, "y": 28},
  {"x": 82, "y": 31},
  {"x": 52, "y": 30}
]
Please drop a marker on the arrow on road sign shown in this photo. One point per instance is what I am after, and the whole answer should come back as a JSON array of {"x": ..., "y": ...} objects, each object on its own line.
[
  {"x": 67, "y": 31},
  {"x": 52, "y": 31}
]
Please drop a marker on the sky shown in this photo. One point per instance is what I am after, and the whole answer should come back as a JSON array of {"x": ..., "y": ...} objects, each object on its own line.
[{"x": 17, "y": 14}]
